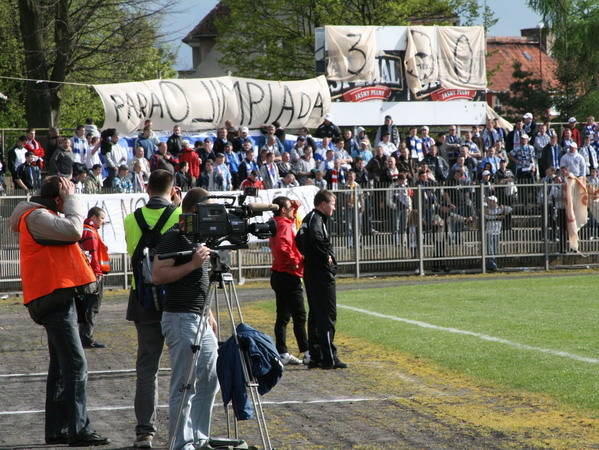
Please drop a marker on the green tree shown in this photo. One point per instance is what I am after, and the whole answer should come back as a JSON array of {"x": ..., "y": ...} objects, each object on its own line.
[
  {"x": 574, "y": 26},
  {"x": 11, "y": 62},
  {"x": 274, "y": 39},
  {"x": 87, "y": 41},
  {"x": 526, "y": 94}
]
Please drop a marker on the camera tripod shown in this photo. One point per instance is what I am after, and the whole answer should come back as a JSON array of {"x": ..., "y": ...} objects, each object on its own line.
[{"x": 221, "y": 279}]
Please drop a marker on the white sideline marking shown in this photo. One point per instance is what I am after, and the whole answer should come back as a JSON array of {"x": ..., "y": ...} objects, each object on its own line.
[
  {"x": 288, "y": 402},
  {"x": 484, "y": 337}
]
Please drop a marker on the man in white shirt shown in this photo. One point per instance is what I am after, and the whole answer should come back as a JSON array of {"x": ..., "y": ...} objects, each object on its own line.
[
  {"x": 574, "y": 161},
  {"x": 388, "y": 146}
]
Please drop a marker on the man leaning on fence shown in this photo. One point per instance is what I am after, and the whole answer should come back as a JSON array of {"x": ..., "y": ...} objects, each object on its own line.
[
  {"x": 147, "y": 322},
  {"x": 54, "y": 271}
]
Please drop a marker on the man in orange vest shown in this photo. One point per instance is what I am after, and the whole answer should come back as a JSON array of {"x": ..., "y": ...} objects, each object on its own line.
[
  {"x": 97, "y": 253},
  {"x": 54, "y": 271}
]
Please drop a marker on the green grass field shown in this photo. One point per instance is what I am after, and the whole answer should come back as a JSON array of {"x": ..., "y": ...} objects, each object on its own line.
[{"x": 531, "y": 334}]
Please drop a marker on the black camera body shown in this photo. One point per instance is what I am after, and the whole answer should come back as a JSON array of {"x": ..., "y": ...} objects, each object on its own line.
[{"x": 215, "y": 223}]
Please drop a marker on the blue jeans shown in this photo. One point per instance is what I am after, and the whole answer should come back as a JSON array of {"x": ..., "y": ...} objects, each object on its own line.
[
  {"x": 66, "y": 410},
  {"x": 194, "y": 426},
  {"x": 492, "y": 249}
]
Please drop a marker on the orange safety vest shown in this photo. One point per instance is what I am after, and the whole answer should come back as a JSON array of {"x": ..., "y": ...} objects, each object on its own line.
[
  {"x": 46, "y": 268},
  {"x": 103, "y": 257}
]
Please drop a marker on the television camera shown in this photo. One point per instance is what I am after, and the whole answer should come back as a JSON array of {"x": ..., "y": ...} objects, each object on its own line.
[{"x": 213, "y": 224}]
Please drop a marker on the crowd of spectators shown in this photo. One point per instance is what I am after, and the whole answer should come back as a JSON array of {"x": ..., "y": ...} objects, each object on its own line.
[{"x": 490, "y": 155}]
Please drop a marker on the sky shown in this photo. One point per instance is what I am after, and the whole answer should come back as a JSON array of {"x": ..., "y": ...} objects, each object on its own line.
[{"x": 512, "y": 15}]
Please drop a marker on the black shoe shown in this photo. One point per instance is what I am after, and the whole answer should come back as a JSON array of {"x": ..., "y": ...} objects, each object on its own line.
[
  {"x": 94, "y": 344},
  {"x": 337, "y": 364},
  {"x": 89, "y": 440},
  {"x": 56, "y": 440},
  {"x": 313, "y": 364}
]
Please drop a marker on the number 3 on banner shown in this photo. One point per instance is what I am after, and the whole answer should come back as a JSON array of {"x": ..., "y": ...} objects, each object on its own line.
[{"x": 355, "y": 57}]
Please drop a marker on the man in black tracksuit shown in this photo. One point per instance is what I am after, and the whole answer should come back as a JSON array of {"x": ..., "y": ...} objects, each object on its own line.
[{"x": 320, "y": 268}]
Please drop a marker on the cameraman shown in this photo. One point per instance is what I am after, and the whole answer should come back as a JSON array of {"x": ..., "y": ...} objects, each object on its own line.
[
  {"x": 286, "y": 281},
  {"x": 186, "y": 282}
]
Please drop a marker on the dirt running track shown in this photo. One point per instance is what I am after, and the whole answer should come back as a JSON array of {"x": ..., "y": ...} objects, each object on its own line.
[{"x": 384, "y": 400}]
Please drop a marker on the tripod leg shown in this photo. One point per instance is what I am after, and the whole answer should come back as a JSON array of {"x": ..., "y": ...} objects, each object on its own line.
[{"x": 232, "y": 302}]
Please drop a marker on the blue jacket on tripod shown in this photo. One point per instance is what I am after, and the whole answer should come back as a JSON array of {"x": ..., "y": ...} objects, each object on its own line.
[{"x": 264, "y": 365}]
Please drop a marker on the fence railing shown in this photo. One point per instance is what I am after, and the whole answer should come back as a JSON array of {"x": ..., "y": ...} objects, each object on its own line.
[{"x": 374, "y": 235}]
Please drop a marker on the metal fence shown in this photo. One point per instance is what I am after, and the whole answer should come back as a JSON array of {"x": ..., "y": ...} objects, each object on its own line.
[{"x": 391, "y": 240}]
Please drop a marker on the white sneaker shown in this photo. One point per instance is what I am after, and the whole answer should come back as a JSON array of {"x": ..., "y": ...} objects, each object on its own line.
[
  {"x": 306, "y": 360},
  {"x": 143, "y": 441},
  {"x": 291, "y": 360}
]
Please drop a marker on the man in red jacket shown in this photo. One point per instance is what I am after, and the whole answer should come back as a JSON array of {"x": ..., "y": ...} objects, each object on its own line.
[
  {"x": 286, "y": 281},
  {"x": 92, "y": 245},
  {"x": 188, "y": 154}
]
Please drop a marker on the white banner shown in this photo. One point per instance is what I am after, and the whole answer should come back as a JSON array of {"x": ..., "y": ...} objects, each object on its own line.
[
  {"x": 351, "y": 54},
  {"x": 206, "y": 103},
  {"x": 422, "y": 69},
  {"x": 447, "y": 57},
  {"x": 118, "y": 206},
  {"x": 462, "y": 57}
]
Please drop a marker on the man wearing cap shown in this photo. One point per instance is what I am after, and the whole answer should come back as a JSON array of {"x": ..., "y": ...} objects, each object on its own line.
[
  {"x": 327, "y": 128},
  {"x": 574, "y": 131},
  {"x": 189, "y": 155},
  {"x": 388, "y": 127},
  {"x": 574, "y": 161},
  {"x": 494, "y": 216},
  {"x": 363, "y": 151},
  {"x": 239, "y": 140},
  {"x": 529, "y": 126},
  {"x": 523, "y": 157}
]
